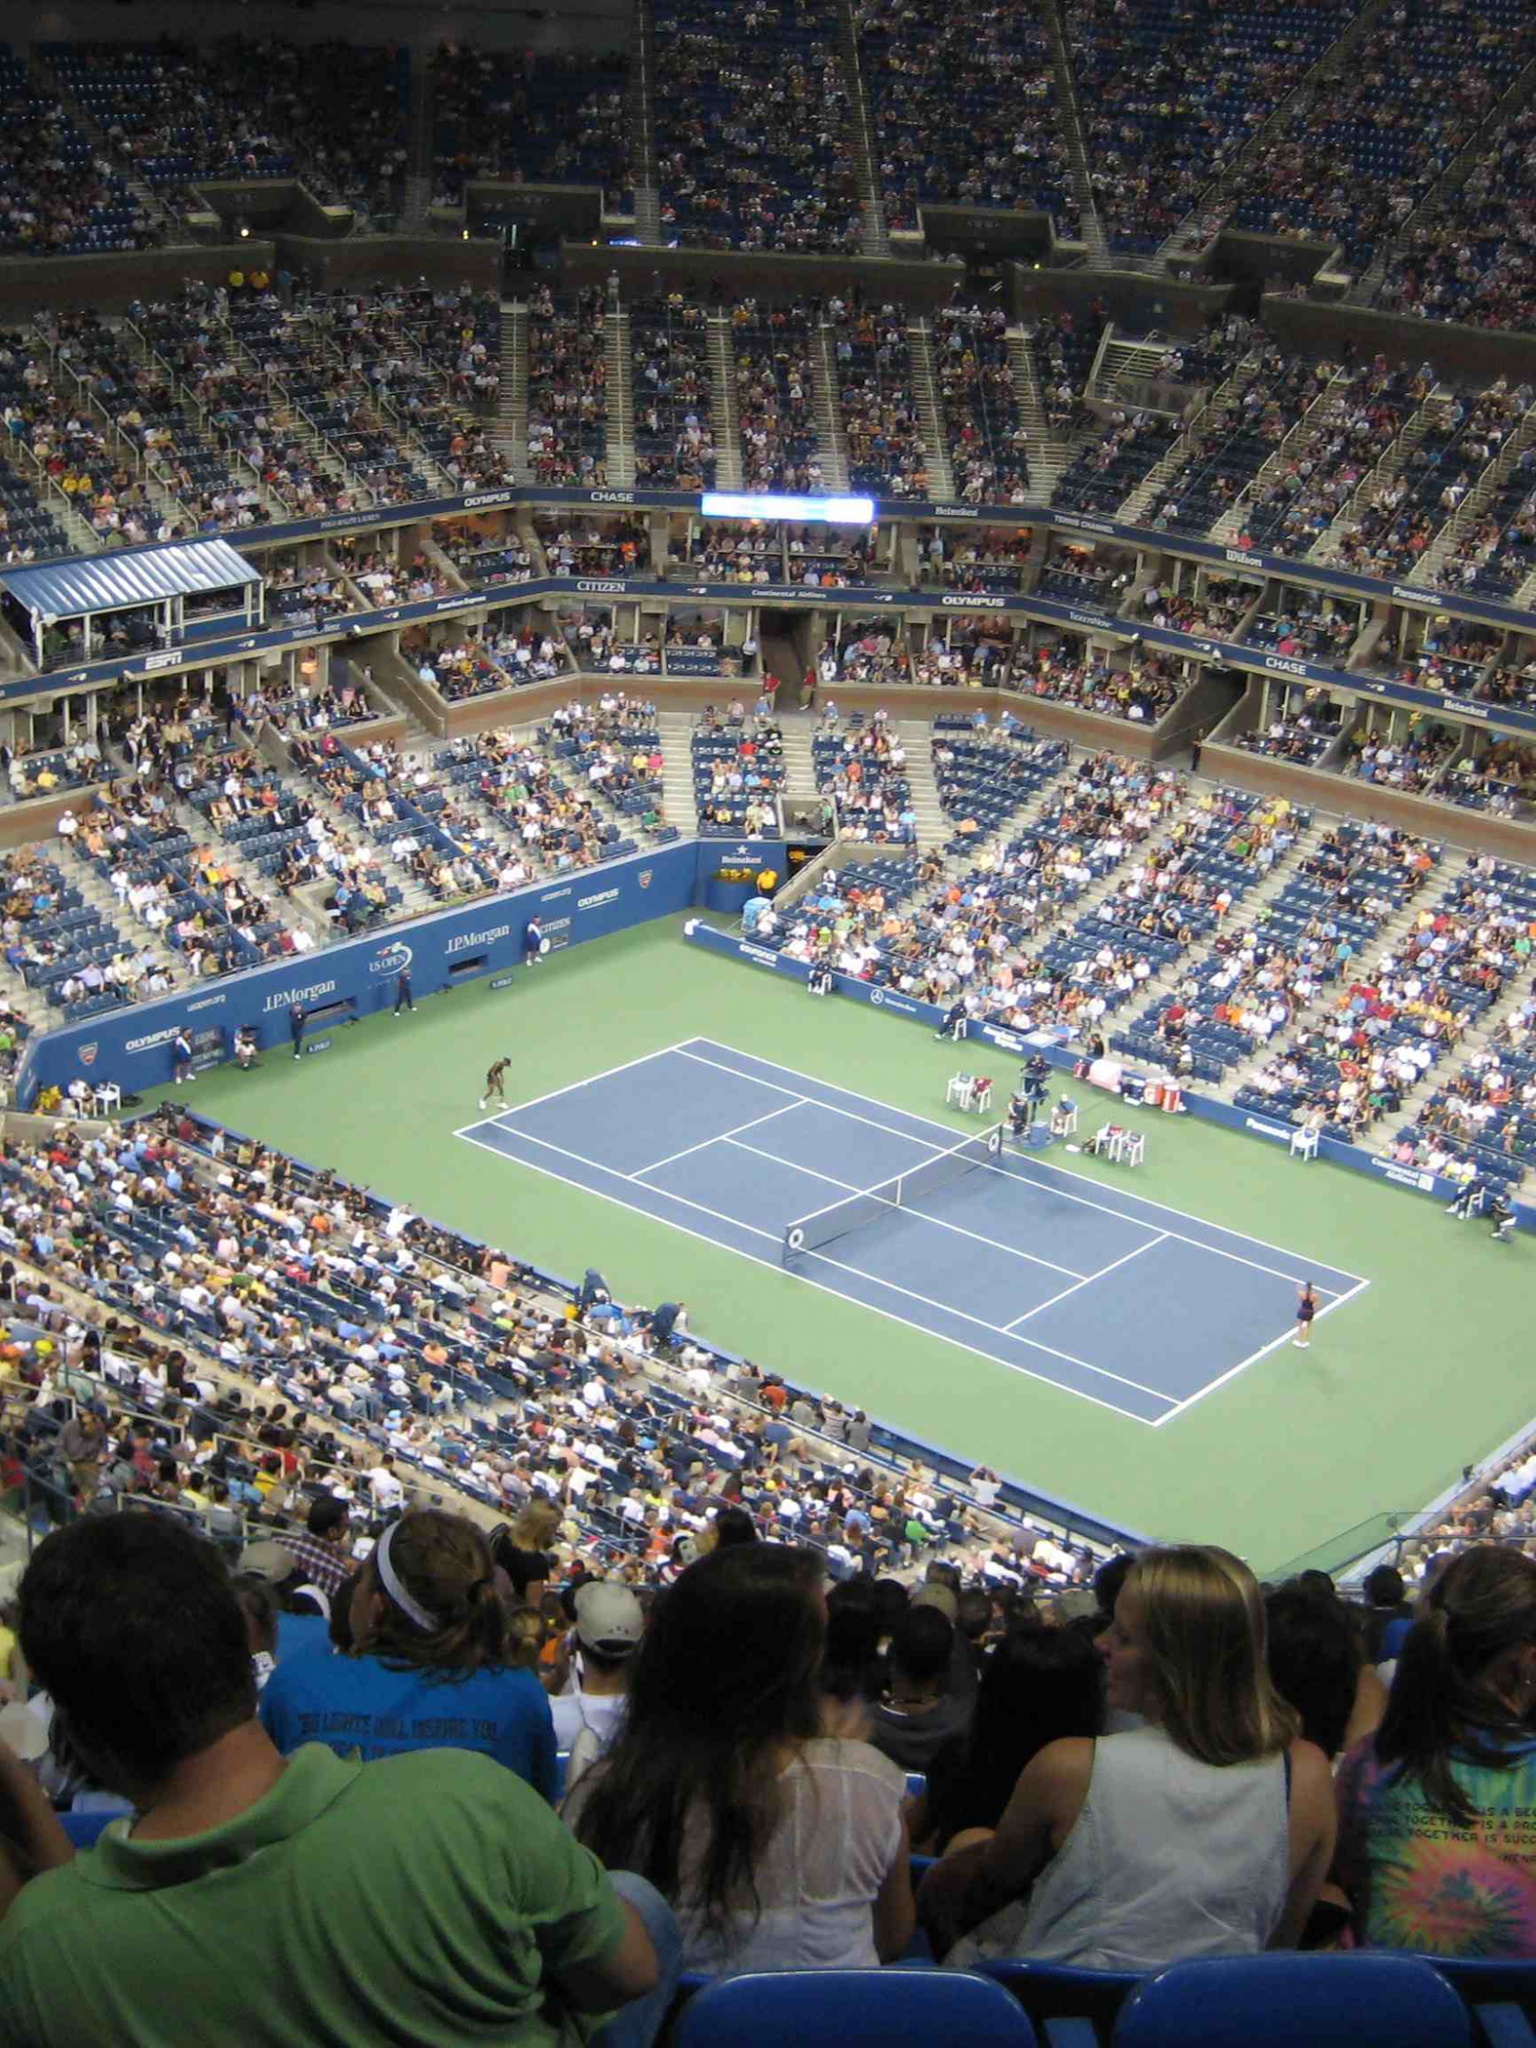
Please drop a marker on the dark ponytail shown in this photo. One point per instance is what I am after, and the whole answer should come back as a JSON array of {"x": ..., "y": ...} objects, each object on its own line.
[
  {"x": 1444, "y": 1702},
  {"x": 443, "y": 1564}
]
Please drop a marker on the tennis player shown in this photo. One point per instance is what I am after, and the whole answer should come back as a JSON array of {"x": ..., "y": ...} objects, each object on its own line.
[
  {"x": 1306, "y": 1309},
  {"x": 495, "y": 1083}
]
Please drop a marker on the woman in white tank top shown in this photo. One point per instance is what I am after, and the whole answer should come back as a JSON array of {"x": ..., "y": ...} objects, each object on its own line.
[{"x": 1205, "y": 1831}]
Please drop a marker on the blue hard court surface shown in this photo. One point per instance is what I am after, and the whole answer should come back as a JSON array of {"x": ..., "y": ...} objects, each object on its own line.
[{"x": 1133, "y": 1305}]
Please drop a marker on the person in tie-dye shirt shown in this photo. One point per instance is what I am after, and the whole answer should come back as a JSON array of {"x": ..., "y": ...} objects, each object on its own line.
[{"x": 1437, "y": 1810}]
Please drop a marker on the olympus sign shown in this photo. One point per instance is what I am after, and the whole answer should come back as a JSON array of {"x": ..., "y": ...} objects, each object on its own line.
[
  {"x": 488, "y": 498},
  {"x": 285, "y": 998},
  {"x": 596, "y": 902},
  {"x": 488, "y": 937},
  {"x": 973, "y": 604},
  {"x": 155, "y": 1038}
]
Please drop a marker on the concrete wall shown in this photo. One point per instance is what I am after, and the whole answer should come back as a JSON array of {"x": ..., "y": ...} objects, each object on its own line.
[
  {"x": 111, "y": 282},
  {"x": 1135, "y": 301},
  {"x": 731, "y": 273},
  {"x": 1507, "y": 838},
  {"x": 1479, "y": 352},
  {"x": 494, "y": 24}
]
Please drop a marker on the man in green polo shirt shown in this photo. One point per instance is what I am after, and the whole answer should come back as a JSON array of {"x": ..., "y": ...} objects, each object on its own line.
[{"x": 307, "y": 1903}]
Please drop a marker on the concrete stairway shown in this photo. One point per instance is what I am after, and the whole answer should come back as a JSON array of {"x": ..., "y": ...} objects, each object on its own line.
[
  {"x": 722, "y": 364},
  {"x": 1426, "y": 570},
  {"x": 916, "y": 735},
  {"x": 1047, "y": 455},
  {"x": 1216, "y": 201},
  {"x": 1142, "y": 499},
  {"x": 511, "y": 432},
  {"x": 987, "y": 852},
  {"x": 1069, "y": 119},
  {"x": 1327, "y": 545},
  {"x": 941, "y": 480},
  {"x": 642, "y": 115},
  {"x": 621, "y": 404},
  {"x": 798, "y": 728},
  {"x": 874, "y": 240},
  {"x": 1304, "y": 434},
  {"x": 829, "y": 424},
  {"x": 676, "y": 729}
]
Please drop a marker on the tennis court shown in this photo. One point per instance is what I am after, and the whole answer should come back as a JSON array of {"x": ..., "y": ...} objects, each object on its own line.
[{"x": 1135, "y": 1306}]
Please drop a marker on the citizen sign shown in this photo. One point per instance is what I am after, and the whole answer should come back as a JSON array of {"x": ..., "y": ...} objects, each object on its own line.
[{"x": 601, "y": 583}]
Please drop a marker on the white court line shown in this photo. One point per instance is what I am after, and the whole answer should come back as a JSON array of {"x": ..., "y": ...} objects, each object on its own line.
[
  {"x": 720, "y": 1138},
  {"x": 870, "y": 1279},
  {"x": 571, "y": 1087},
  {"x": 801, "y": 1279},
  {"x": 923, "y": 1216},
  {"x": 1254, "y": 1356},
  {"x": 1243, "y": 1236},
  {"x": 1088, "y": 1279},
  {"x": 832, "y": 1109}
]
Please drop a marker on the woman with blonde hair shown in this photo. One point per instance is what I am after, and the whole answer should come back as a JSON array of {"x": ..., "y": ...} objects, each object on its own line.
[
  {"x": 433, "y": 1664},
  {"x": 1205, "y": 1830},
  {"x": 1437, "y": 1809}
]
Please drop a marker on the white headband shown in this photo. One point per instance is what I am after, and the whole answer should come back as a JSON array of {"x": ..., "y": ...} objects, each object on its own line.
[{"x": 411, "y": 1608}]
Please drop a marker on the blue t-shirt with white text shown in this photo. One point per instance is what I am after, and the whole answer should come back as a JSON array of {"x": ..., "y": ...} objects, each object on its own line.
[{"x": 362, "y": 1708}]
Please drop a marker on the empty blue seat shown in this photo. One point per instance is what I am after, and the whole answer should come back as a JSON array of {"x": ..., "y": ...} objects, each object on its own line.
[
  {"x": 854, "y": 2009},
  {"x": 1295, "y": 2001}
]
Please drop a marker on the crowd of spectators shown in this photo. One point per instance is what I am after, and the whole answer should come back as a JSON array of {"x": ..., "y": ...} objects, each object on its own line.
[
  {"x": 545, "y": 117},
  {"x": 568, "y": 387},
  {"x": 963, "y": 110},
  {"x": 58, "y": 195},
  {"x": 872, "y": 362},
  {"x": 673, "y": 394},
  {"x": 775, "y": 397},
  {"x": 978, "y": 405},
  {"x": 753, "y": 127},
  {"x": 1363, "y": 146},
  {"x": 1170, "y": 95},
  {"x": 250, "y": 109}
]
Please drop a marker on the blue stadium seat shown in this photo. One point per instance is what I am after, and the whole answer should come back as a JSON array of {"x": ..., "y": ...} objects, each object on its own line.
[
  {"x": 1071, "y": 2008},
  {"x": 1296, "y": 2001},
  {"x": 854, "y": 2009}
]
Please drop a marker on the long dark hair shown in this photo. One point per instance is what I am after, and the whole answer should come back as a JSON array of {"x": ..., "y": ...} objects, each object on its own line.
[
  {"x": 726, "y": 1676},
  {"x": 1039, "y": 1684},
  {"x": 1443, "y": 1701}
]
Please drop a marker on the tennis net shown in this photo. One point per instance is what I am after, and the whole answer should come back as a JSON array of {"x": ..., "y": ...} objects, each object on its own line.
[{"x": 822, "y": 1226}]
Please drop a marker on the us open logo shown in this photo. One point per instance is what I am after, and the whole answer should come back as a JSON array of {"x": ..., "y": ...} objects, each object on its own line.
[
  {"x": 644, "y": 877},
  {"x": 88, "y": 1054}
]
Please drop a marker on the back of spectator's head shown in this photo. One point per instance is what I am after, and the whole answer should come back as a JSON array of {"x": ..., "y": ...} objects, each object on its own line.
[
  {"x": 1314, "y": 1660},
  {"x": 850, "y": 1668},
  {"x": 609, "y": 1621},
  {"x": 973, "y": 1614},
  {"x": 940, "y": 1573},
  {"x": 1384, "y": 1586},
  {"x": 131, "y": 1625},
  {"x": 892, "y": 1596},
  {"x": 726, "y": 1676},
  {"x": 1109, "y": 1578},
  {"x": 922, "y": 1643},
  {"x": 1466, "y": 1675},
  {"x": 427, "y": 1596},
  {"x": 327, "y": 1516},
  {"x": 1188, "y": 1651},
  {"x": 734, "y": 1525}
]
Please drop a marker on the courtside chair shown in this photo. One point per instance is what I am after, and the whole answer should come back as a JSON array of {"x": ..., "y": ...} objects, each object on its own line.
[
  {"x": 892, "y": 2008},
  {"x": 1296, "y": 2001}
]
